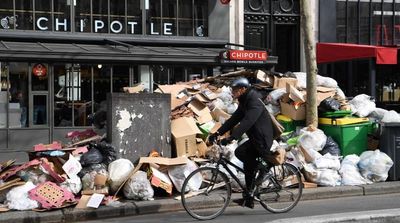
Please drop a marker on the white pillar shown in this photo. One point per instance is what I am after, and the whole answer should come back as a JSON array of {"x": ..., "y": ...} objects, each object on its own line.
[{"x": 146, "y": 77}]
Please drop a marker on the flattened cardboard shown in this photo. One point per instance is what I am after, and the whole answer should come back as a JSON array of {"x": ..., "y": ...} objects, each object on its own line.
[
  {"x": 295, "y": 94},
  {"x": 281, "y": 82},
  {"x": 266, "y": 78},
  {"x": 184, "y": 131},
  {"x": 209, "y": 95},
  {"x": 135, "y": 89},
  {"x": 83, "y": 202},
  {"x": 174, "y": 91}
]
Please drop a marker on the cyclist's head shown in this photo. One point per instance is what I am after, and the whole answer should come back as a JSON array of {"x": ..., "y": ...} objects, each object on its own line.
[{"x": 239, "y": 86}]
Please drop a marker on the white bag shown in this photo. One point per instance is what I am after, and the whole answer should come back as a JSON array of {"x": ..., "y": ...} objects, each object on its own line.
[
  {"x": 315, "y": 140},
  {"x": 350, "y": 172},
  {"x": 18, "y": 199},
  {"x": 179, "y": 173},
  {"x": 327, "y": 161},
  {"x": 118, "y": 171},
  {"x": 361, "y": 105},
  {"x": 375, "y": 165},
  {"x": 138, "y": 187}
]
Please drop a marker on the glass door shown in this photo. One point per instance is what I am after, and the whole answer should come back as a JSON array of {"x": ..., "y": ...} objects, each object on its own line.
[{"x": 39, "y": 95}]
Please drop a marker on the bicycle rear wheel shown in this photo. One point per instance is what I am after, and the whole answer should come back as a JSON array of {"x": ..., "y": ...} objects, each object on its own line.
[
  {"x": 206, "y": 193},
  {"x": 282, "y": 191}
]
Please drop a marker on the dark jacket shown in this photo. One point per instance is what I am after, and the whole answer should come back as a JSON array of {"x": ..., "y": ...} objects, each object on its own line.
[{"x": 253, "y": 120}]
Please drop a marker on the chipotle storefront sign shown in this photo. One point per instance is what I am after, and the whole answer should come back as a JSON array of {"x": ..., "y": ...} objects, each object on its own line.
[
  {"x": 244, "y": 57},
  {"x": 247, "y": 55}
]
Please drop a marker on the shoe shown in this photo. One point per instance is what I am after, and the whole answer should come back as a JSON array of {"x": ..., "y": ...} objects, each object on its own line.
[
  {"x": 263, "y": 176},
  {"x": 248, "y": 202}
]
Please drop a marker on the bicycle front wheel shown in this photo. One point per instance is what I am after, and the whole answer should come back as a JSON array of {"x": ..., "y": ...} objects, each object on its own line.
[
  {"x": 206, "y": 193},
  {"x": 282, "y": 191}
]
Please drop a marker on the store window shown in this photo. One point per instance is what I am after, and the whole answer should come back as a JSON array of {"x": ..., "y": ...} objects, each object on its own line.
[
  {"x": 163, "y": 17},
  {"x": 120, "y": 78},
  {"x": 83, "y": 19},
  {"x": 185, "y": 17},
  {"x": 18, "y": 106},
  {"x": 373, "y": 22}
]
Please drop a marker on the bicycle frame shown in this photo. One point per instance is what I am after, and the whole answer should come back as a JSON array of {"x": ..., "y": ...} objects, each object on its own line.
[{"x": 225, "y": 162}]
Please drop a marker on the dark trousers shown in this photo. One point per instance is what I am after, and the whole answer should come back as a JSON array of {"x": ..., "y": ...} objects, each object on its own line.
[{"x": 248, "y": 153}]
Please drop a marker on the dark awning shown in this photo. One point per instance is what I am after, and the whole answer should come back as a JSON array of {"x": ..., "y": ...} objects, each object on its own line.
[
  {"x": 333, "y": 52},
  {"x": 110, "y": 52}
]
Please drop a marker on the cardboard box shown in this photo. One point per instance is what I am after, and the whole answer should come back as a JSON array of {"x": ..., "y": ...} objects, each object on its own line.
[
  {"x": 219, "y": 115},
  {"x": 202, "y": 112},
  {"x": 161, "y": 180},
  {"x": 281, "y": 82},
  {"x": 184, "y": 131},
  {"x": 292, "y": 112}
]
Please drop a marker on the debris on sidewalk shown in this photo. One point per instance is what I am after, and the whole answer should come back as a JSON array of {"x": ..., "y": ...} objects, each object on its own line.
[{"x": 88, "y": 172}]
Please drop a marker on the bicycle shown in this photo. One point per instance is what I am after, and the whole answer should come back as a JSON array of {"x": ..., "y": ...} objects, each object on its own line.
[{"x": 206, "y": 192}]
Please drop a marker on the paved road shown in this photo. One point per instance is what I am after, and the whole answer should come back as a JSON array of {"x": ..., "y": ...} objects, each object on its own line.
[{"x": 305, "y": 208}]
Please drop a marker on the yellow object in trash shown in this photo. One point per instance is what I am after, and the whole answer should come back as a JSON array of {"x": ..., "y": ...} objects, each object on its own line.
[
  {"x": 283, "y": 118},
  {"x": 341, "y": 121}
]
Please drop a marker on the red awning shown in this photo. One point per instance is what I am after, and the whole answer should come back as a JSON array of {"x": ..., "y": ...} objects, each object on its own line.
[{"x": 333, "y": 52}]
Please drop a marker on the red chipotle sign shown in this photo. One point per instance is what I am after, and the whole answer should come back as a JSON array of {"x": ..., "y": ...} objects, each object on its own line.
[
  {"x": 247, "y": 55},
  {"x": 243, "y": 57}
]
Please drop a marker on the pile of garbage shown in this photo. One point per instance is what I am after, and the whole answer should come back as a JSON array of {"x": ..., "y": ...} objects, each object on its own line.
[{"x": 86, "y": 171}]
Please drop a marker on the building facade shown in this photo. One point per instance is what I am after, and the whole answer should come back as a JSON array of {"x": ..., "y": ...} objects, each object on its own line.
[
  {"x": 367, "y": 22},
  {"x": 60, "y": 58}
]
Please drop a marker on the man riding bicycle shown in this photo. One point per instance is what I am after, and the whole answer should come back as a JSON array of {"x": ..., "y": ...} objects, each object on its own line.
[{"x": 252, "y": 118}]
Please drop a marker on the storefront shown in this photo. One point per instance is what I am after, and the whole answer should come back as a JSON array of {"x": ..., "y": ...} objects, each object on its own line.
[
  {"x": 364, "y": 22},
  {"x": 60, "y": 58}
]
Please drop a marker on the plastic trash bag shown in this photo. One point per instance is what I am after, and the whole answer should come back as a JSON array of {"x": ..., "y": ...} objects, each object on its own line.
[
  {"x": 273, "y": 109},
  {"x": 329, "y": 104},
  {"x": 108, "y": 151},
  {"x": 350, "y": 172},
  {"x": 138, "y": 187},
  {"x": 330, "y": 147},
  {"x": 18, "y": 198},
  {"x": 322, "y": 177},
  {"x": 321, "y": 80},
  {"x": 74, "y": 185},
  {"x": 375, "y": 165},
  {"x": 179, "y": 173},
  {"x": 314, "y": 140},
  {"x": 275, "y": 95},
  {"x": 391, "y": 116},
  {"x": 378, "y": 114},
  {"x": 361, "y": 105},
  {"x": 93, "y": 156},
  {"x": 327, "y": 161},
  {"x": 118, "y": 172}
]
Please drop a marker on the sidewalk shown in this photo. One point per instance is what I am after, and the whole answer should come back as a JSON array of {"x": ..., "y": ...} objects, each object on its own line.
[{"x": 131, "y": 208}]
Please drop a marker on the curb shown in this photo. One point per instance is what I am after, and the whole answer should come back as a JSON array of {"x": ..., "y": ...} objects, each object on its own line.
[
  {"x": 389, "y": 215},
  {"x": 162, "y": 205}
]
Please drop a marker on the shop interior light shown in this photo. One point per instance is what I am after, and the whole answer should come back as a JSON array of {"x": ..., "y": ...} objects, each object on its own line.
[{"x": 99, "y": 66}]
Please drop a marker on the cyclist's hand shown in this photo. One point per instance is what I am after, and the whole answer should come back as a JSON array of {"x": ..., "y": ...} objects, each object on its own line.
[
  {"x": 226, "y": 141},
  {"x": 212, "y": 138}
]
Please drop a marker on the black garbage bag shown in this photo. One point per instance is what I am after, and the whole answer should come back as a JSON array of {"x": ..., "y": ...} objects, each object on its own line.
[
  {"x": 331, "y": 147},
  {"x": 99, "y": 168},
  {"x": 329, "y": 105},
  {"x": 93, "y": 156},
  {"x": 107, "y": 150}
]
